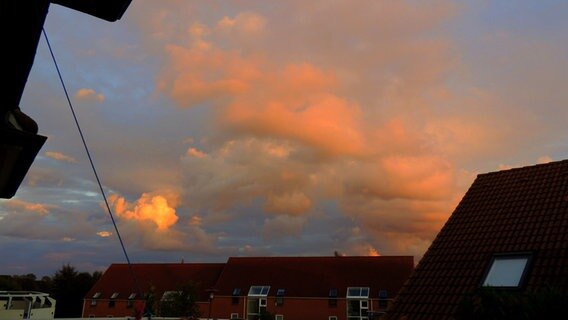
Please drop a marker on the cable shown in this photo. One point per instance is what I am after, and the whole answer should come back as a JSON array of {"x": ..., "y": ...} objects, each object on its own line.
[{"x": 91, "y": 161}]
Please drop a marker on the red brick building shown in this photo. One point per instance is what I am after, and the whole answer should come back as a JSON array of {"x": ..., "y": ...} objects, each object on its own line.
[
  {"x": 288, "y": 288},
  {"x": 120, "y": 288},
  {"x": 509, "y": 234}
]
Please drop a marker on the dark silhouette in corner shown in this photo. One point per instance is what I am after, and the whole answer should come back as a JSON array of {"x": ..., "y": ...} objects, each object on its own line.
[{"x": 21, "y": 24}]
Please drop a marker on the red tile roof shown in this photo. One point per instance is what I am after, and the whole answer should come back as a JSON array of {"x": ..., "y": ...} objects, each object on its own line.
[
  {"x": 315, "y": 276},
  {"x": 518, "y": 210},
  {"x": 299, "y": 276},
  {"x": 163, "y": 276}
]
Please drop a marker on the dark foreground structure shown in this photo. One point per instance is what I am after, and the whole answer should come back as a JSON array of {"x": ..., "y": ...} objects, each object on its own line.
[{"x": 503, "y": 253}]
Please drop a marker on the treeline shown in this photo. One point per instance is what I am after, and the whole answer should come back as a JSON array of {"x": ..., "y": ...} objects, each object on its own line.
[{"x": 68, "y": 287}]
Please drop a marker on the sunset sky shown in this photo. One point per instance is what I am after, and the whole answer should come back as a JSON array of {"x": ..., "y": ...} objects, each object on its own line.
[{"x": 277, "y": 128}]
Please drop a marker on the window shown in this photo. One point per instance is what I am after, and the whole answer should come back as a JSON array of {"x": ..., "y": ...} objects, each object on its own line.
[
  {"x": 280, "y": 297},
  {"x": 258, "y": 291},
  {"x": 112, "y": 301},
  {"x": 130, "y": 301},
  {"x": 507, "y": 270},
  {"x": 236, "y": 295},
  {"x": 332, "y": 318},
  {"x": 383, "y": 299},
  {"x": 234, "y": 315},
  {"x": 256, "y": 302},
  {"x": 357, "y": 303},
  {"x": 279, "y": 317},
  {"x": 94, "y": 299},
  {"x": 262, "y": 302},
  {"x": 332, "y": 300},
  {"x": 357, "y": 292}
]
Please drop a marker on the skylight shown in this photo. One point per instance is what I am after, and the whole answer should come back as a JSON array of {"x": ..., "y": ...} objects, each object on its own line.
[
  {"x": 259, "y": 291},
  {"x": 358, "y": 292},
  {"x": 507, "y": 271}
]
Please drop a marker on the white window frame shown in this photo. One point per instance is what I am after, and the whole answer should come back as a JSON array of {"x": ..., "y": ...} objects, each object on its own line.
[
  {"x": 361, "y": 290},
  {"x": 279, "y": 317},
  {"x": 507, "y": 271},
  {"x": 332, "y": 318},
  {"x": 360, "y": 294},
  {"x": 262, "y": 291},
  {"x": 234, "y": 316}
]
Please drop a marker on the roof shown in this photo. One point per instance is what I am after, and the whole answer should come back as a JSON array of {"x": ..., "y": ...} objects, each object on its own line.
[
  {"x": 162, "y": 276},
  {"x": 315, "y": 276},
  {"x": 517, "y": 210}
]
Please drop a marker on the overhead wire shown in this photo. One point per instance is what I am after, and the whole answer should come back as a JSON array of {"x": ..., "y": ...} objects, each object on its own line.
[{"x": 109, "y": 210}]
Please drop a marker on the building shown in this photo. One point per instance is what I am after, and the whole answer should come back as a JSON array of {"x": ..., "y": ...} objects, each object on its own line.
[
  {"x": 115, "y": 294},
  {"x": 508, "y": 233},
  {"x": 288, "y": 288},
  {"x": 26, "y": 305}
]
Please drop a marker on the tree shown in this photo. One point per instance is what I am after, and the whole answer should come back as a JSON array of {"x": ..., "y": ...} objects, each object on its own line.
[
  {"x": 69, "y": 289},
  {"x": 180, "y": 303}
]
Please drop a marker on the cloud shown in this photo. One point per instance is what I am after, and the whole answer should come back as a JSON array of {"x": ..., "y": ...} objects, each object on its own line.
[
  {"x": 334, "y": 114},
  {"x": 283, "y": 226},
  {"x": 17, "y": 205},
  {"x": 152, "y": 223},
  {"x": 148, "y": 207},
  {"x": 60, "y": 156},
  {"x": 104, "y": 234},
  {"x": 89, "y": 95},
  {"x": 289, "y": 203},
  {"x": 244, "y": 23}
]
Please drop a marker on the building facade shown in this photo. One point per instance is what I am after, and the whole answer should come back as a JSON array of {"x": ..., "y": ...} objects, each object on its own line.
[{"x": 280, "y": 288}]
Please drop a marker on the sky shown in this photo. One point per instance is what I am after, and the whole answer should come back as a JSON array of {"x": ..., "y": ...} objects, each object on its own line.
[{"x": 279, "y": 128}]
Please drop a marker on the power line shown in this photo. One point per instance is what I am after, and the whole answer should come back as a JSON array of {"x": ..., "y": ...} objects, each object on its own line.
[{"x": 91, "y": 162}]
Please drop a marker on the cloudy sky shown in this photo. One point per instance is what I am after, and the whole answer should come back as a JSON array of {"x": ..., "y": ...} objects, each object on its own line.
[{"x": 270, "y": 128}]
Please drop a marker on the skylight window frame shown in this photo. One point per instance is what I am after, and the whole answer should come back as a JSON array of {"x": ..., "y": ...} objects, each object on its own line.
[
  {"x": 332, "y": 297},
  {"x": 348, "y": 295},
  {"x": 262, "y": 291},
  {"x": 280, "y": 296},
  {"x": 131, "y": 299},
  {"x": 235, "y": 296},
  {"x": 529, "y": 256}
]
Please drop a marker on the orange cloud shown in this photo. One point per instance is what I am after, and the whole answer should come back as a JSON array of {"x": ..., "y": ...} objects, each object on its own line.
[
  {"x": 104, "y": 234},
  {"x": 154, "y": 208},
  {"x": 314, "y": 111},
  {"x": 60, "y": 156},
  {"x": 38, "y": 208},
  {"x": 294, "y": 203},
  {"x": 89, "y": 95},
  {"x": 247, "y": 23}
]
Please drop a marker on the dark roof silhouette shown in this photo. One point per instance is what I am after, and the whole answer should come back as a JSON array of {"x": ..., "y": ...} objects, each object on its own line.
[
  {"x": 162, "y": 276},
  {"x": 299, "y": 276},
  {"x": 315, "y": 276},
  {"x": 522, "y": 210}
]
